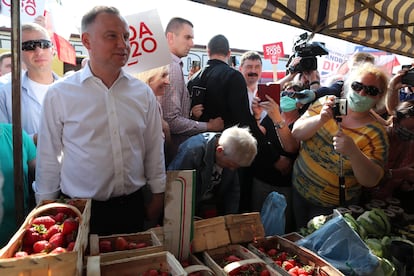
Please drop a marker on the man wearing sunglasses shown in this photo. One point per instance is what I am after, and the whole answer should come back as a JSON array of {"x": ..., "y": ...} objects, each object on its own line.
[{"x": 37, "y": 54}]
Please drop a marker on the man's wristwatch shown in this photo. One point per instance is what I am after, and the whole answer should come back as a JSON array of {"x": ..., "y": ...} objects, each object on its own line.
[{"x": 280, "y": 124}]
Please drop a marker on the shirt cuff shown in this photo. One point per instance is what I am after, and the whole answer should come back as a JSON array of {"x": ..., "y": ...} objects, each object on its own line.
[{"x": 39, "y": 197}]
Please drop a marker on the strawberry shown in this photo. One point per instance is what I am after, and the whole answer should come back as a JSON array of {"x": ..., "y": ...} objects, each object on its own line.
[
  {"x": 287, "y": 265},
  {"x": 30, "y": 237},
  {"x": 42, "y": 246},
  {"x": 58, "y": 250},
  {"x": 164, "y": 273},
  {"x": 70, "y": 247},
  {"x": 67, "y": 211},
  {"x": 69, "y": 225},
  {"x": 121, "y": 244},
  {"x": 272, "y": 252},
  {"x": 47, "y": 221},
  {"x": 151, "y": 272},
  {"x": 20, "y": 254},
  {"x": 265, "y": 272},
  {"x": 60, "y": 217},
  {"x": 51, "y": 231},
  {"x": 105, "y": 246},
  {"x": 232, "y": 258},
  {"x": 57, "y": 240},
  {"x": 132, "y": 245},
  {"x": 141, "y": 245}
]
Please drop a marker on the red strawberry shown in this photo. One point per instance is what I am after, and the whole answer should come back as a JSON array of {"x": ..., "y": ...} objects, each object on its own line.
[
  {"x": 121, "y": 244},
  {"x": 164, "y": 273},
  {"x": 70, "y": 247},
  {"x": 265, "y": 272},
  {"x": 105, "y": 246},
  {"x": 67, "y": 211},
  {"x": 42, "y": 246},
  {"x": 132, "y": 245},
  {"x": 51, "y": 231},
  {"x": 58, "y": 250},
  {"x": 21, "y": 254},
  {"x": 153, "y": 272},
  {"x": 69, "y": 225},
  {"x": 232, "y": 258},
  {"x": 59, "y": 217},
  {"x": 57, "y": 240},
  {"x": 47, "y": 221},
  {"x": 141, "y": 245},
  {"x": 272, "y": 252},
  {"x": 30, "y": 237}
]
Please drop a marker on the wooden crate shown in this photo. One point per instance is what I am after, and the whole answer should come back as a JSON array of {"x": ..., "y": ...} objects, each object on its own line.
[
  {"x": 63, "y": 264},
  {"x": 197, "y": 267},
  {"x": 306, "y": 257},
  {"x": 209, "y": 234},
  {"x": 154, "y": 245},
  {"x": 165, "y": 261},
  {"x": 245, "y": 227},
  {"x": 212, "y": 258}
]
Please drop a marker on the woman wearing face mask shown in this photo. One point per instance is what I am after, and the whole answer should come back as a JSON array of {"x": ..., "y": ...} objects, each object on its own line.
[
  {"x": 398, "y": 180},
  {"x": 356, "y": 148}
]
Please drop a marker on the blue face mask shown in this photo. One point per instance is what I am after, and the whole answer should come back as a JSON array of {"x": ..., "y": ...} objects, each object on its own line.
[
  {"x": 287, "y": 104},
  {"x": 359, "y": 103}
]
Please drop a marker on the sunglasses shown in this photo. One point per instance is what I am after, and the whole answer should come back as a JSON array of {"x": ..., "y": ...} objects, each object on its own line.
[
  {"x": 31, "y": 45},
  {"x": 369, "y": 89}
]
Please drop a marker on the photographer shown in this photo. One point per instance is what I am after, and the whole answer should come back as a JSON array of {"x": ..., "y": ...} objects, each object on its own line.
[
  {"x": 359, "y": 142},
  {"x": 400, "y": 88}
]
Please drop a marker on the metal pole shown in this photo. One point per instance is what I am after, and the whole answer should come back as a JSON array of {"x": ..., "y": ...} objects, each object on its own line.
[{"x": 16, "y": 112}]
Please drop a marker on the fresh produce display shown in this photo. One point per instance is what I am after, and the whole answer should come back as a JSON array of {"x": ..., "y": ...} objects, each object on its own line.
[
  {"x": 385, "y": 233},
  {"x": 119, "y": 244},
  {"x": 288, "y": 262},
  {"x": 53, "y": 231}
]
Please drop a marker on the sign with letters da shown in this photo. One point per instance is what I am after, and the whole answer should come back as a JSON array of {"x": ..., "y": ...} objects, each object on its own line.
[
  {"x": 273, "y": 51},
  {"x": 149, "y": 47}
]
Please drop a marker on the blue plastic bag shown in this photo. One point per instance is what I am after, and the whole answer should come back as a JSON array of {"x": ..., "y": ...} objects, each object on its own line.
[
  {"x": 273, "y": 214},
  {"x": 339, "y": 245}
]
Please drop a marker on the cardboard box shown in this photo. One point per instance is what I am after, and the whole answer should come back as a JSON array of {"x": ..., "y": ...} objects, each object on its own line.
[
  {"x": 163, "y": 261},
  {"x": 153, "y": 245},
  {"x": 304, "y": 255},
  {"x": 213, "y": 259},
  {"x": 178, "y": 212},
  {"x": 63, "y": 264}
]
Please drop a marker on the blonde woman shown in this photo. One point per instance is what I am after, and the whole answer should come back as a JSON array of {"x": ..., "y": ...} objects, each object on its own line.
[{"x": 158, "y": 80}]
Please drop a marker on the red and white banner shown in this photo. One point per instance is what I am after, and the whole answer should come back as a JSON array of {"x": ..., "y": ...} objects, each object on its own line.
[
  {"x": 29, "y": 10},
  {"x": 149, "y": 48},
  {"x": 273, "y": 51}
]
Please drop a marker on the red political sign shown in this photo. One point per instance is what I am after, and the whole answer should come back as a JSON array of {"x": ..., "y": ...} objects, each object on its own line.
[{"x": 273, "y": 51}]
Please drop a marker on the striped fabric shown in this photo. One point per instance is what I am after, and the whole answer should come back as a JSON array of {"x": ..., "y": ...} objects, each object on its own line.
[{"x": 387, "y": 25}]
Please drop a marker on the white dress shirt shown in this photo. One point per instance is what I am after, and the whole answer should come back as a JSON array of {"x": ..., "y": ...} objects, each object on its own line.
[{"x": 99, "y": 143}]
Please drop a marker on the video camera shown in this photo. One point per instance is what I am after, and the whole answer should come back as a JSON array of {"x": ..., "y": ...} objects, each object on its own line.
[{"x": 308, "y": 52}]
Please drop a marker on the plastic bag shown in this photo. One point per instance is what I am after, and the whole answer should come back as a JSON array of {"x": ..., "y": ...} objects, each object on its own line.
[
  {"x": 273, "y": 214},
  {"x": 339, "y": 245}
]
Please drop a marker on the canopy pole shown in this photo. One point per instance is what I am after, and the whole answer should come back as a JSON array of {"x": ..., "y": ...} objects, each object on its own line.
[{"x": 16, "y": 112}]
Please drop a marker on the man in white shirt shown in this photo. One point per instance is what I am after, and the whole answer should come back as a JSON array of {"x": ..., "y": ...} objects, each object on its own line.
[{"x": 100, "y": 133}]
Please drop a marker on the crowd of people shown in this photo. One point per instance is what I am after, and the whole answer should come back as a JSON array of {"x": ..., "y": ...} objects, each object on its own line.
[{"x": 104, "y": 134}]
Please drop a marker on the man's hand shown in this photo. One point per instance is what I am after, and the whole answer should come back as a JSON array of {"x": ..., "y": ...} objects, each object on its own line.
[
  {"x": 216, "y": 124},
  {"x": 197, "y": 111}
]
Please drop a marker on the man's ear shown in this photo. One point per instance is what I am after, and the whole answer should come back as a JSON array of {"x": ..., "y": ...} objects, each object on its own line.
[
  {"x": 219, "y": 149},
  {"x": 85, "y": 40}
]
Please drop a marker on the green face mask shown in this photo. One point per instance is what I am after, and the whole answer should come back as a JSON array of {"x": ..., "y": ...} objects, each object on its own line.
[
  {"x": 287, "y": 104},
  {"x": 359, "y": 103}
]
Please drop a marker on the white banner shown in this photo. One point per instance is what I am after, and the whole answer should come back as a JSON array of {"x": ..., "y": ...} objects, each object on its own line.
[
  {"x": 29, "y": 10},
  {"x": 149, "y": 47}
]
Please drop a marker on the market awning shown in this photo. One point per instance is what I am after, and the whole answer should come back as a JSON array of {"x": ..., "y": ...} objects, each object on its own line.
[{"x": 386, "y": 25}]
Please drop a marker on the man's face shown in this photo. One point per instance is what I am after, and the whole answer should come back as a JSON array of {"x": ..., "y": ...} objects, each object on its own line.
[
  {"x": 107, "y": 40},
  {"x": 251, "y": 70},
  {"x": 37, "y": 59},
  {"x": 5, "y": 66},
  {"x": 181, "y": 43}
]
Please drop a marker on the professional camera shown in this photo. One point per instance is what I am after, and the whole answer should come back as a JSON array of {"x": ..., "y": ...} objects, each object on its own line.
[
  {"x": 340, "y": 108},
  {"x": 308, "y": 52}
]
